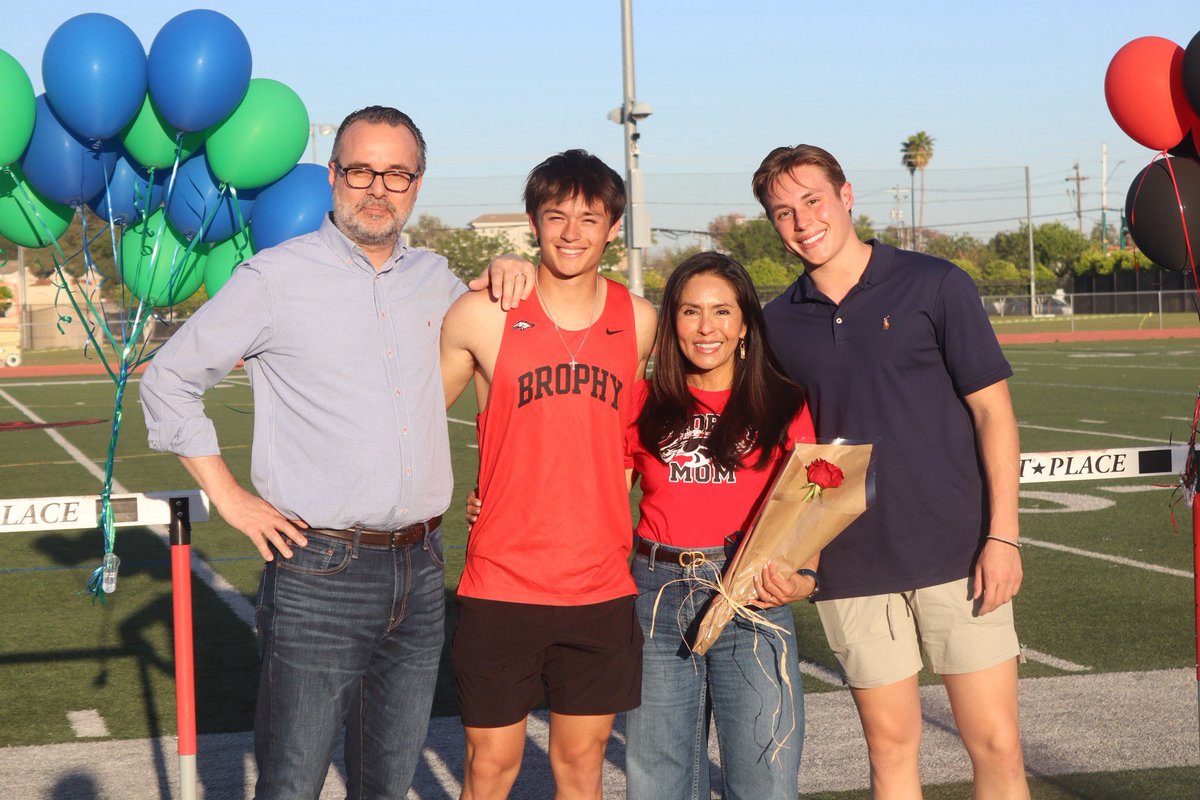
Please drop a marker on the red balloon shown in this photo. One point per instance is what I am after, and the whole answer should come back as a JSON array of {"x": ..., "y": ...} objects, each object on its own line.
[{"x": 1145, "y": 94}]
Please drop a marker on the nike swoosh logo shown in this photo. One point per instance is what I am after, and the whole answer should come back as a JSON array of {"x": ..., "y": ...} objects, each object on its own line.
[{"x": 611, "y": 331}]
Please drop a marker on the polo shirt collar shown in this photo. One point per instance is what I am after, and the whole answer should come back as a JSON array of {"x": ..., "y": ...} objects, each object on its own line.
[
  {"x": 348, "y": 252},
  {"x": 880, "y": 267}
]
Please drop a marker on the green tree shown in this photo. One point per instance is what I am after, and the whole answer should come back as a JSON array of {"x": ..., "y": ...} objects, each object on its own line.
[
  {"x": 768, "y": 272},
  {"x": 5, "y": 299},
  {"x": 864, "y": 228},
  {"x": 427, "y": 232},
  {"x": 915, "y": 154},
  {"x": 665, "y": 261},
  {"x": 1104, "y": 233},
  {"x": 469, "y": 252},
  {"x": 1094, "y": 262},
  {"x": 955, "y": 247},
  {"x": 755, "y": 239},
  {"x": 614, "y": 254},
  {"x": 1055, "y": 246},
  {"x": 891, "y": 235},
  {"x": 968, "y": 266}
]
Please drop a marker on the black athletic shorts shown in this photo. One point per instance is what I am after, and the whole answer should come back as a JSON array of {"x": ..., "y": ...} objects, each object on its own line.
[{"x": 510, "y": 657}]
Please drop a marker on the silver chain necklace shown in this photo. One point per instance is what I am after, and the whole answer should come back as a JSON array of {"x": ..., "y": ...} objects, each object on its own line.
[{"x": 558, "y": 330}]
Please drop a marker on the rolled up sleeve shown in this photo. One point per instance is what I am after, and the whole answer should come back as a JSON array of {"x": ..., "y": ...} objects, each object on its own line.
[{"x": 233, "y": 325}]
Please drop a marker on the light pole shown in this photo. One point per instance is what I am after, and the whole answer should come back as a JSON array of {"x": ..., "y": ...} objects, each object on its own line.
[
  {"x": 318, "y": 129},
  {"x": 637, "y": 224}
]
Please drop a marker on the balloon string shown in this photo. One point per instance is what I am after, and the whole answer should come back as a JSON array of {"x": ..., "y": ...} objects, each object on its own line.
[
  {"x": 58, "y": 264},
  {"x": 106, "y": 573}
]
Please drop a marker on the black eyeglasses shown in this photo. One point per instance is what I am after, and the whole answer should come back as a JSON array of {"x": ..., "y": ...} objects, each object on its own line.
[{"x": 394, "y": 180}]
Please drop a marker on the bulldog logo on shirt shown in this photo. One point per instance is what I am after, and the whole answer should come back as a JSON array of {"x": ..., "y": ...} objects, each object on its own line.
[{"x": 689, "y": 459}]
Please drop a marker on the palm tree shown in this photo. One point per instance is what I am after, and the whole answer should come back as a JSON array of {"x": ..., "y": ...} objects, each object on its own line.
[{"x": 915, "y": 153}]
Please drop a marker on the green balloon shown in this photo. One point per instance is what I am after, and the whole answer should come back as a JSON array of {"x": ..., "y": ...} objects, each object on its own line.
[
  {"x": 166, "y": 277},
  {"x": 262, "y": 139},
  {"x": 224, "y": 258},
  {"x": 150, "y": 139},
  {"x": 17, "y": 109},
  {"x": 26, "y": 216}
]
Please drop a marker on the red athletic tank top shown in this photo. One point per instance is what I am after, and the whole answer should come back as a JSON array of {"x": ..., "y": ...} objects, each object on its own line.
[{"x": 555, "y": 528}]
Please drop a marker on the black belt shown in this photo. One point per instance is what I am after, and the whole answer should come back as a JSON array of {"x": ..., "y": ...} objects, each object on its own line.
[
  {"x": 674, "y": 555},
  {"x": 398, "y": 538}
]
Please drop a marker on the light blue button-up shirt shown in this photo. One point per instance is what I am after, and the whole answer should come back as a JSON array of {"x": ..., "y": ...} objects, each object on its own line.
[{"x": 349, "y": 412}]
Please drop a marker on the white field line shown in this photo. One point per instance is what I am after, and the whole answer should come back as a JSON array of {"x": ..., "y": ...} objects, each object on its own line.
[
  {"x": 1149, "y": 487},
  {"x": 1127, "y": 562},
  {"x": 821, "y": 673},
  {"x": 1108, "y": 434},
  {"x": 1090, "y": 388},
  {"x": 1093, "y": 365},
  {"x": 460, "y": 421},
  {"x": 229, "y": 595},
  {"x": 22, "y": 384},
  {"x": 87, "y": 724},
  {"x": 441, "y": 772},
  {"x": 1053, "y": 661}
]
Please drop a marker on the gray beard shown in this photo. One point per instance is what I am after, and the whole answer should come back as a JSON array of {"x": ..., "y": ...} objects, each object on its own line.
[{"x": 348, "y": 223}]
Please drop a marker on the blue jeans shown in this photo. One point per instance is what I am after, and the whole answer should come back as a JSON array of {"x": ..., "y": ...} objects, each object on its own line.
[
  {"x": 350, "y": 638},
  {"x": 666, "y": 750}
]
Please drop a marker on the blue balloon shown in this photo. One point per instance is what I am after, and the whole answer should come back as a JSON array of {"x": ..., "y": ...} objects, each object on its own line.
[
  {"x": 291, "y": 206},
  {"x": 61, "y": 165},
  {"x": 196, "y": 194},
  {"x": 94, "y": 69},
  {"x": 130, "y": 195},
  {"x": 199, "y": 69}
]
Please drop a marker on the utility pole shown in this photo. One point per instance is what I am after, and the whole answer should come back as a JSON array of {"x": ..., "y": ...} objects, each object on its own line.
[
  {"x": 1078, "y": 179},
  {"x": 637, "y": 224},
  {"x": 1104, "y": 197},
  {"x": 1029, "y": 227},
  {"x": 897, "y": 213}
]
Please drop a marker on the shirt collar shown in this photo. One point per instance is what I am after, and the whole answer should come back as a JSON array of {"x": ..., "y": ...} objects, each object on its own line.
[
  {"x": 350, "y": 253},
  {"x": 880, "y": 266}
]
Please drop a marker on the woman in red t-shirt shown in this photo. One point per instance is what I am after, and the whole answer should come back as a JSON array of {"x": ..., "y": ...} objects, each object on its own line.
[{"x": 713, "y": 423}]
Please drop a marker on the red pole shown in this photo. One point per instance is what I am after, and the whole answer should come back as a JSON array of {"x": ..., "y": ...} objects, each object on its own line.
[{"x": 185, "y": 683}]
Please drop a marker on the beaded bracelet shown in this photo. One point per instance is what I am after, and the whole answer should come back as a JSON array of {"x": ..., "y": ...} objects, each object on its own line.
[{"x": 1013, "y": 542}]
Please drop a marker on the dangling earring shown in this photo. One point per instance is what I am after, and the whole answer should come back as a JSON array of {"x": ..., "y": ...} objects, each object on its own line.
[{"x": 742, "y": 348}]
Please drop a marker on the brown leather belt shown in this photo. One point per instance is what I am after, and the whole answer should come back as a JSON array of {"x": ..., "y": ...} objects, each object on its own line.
[
  {"x": 684, "y": 558},
  {"x": 398, "y": 538}
]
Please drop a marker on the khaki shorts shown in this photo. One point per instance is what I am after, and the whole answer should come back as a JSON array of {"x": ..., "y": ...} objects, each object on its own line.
[{"x": 875, "y": 638}]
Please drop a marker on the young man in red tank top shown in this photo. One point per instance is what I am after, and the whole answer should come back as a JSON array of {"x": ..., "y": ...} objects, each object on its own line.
[{"x": 546, "y": 599}]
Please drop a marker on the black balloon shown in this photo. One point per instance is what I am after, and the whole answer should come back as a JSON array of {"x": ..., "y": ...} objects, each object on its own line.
[
  {"x": 1186, "y": 148},
  {"x": 1153, "y": 214},
  {"x": 1191, "y": 73}
]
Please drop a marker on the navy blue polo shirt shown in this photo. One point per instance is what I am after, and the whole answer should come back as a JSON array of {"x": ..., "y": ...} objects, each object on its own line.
[{"x": 891, "y": 366}]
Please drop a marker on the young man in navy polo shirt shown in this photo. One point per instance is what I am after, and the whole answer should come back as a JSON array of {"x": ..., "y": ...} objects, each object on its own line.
[{"x": 895, "y": 349}]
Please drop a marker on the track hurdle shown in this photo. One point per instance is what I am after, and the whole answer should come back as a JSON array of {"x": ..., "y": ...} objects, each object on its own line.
[
  {"x": 176, "y": 510},
  {"x": 1124, "y": 462}
]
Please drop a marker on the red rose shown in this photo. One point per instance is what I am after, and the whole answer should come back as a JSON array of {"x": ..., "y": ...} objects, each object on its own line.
[{"x": 824, "y": 474}]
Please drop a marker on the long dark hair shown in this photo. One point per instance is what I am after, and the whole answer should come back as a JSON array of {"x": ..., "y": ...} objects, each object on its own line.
[{"x": 762, "y": 402}]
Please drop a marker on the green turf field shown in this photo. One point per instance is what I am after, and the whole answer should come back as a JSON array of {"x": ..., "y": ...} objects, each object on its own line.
[{"x": 59, "y": 652}]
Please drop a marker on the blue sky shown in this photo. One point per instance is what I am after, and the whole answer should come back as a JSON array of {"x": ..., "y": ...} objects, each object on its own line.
[{"x": 496, "y": 87}]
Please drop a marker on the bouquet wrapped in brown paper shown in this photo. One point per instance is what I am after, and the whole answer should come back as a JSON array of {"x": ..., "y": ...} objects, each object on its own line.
[{"x": 819, "y": 491}]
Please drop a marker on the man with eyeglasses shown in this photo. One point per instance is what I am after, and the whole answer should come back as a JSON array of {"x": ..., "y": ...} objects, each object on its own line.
[{"x": 339, "y": 333}]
